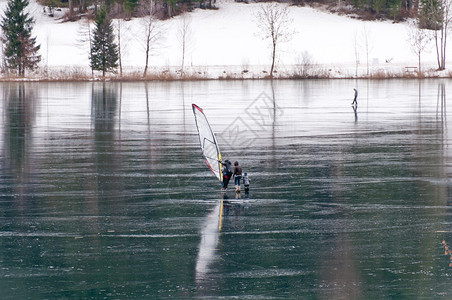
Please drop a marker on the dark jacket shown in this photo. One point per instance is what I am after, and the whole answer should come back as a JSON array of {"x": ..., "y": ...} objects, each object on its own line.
[
  {"x": 227, "y": 167},
  {"x": 237, "y": 171}
]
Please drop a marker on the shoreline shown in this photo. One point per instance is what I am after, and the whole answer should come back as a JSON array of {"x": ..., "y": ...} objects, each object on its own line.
[{"x": 204, "y": 73}]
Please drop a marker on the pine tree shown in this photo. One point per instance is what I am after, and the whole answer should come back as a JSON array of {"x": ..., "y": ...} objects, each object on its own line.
[
  {"x": 430, "y": 14},
  {"x": 104, "y": 51},
  {"x": 20, "y": 49},
  {"x": 130, "y": 6}
]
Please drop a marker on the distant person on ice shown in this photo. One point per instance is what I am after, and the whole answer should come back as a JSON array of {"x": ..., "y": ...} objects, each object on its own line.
[
  {"x": 237, "y": 175},
  {"x": 227, "y": 173},
  {"x": 355, "y": 102},
  {"x": 246, "y": 182}
]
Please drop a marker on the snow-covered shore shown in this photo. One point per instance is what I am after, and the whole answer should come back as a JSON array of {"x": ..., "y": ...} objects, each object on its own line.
[{"x": 224, "y": 44}]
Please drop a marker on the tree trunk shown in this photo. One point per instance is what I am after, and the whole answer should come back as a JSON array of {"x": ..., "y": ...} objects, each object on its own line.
[
  {"x": 170, "y": 11},
  {"x": 71, "y": 8},
  {"x": 183, "y": 61},
  {"x": 183, "y": 55},
  {"x": 119, "y": 47},
  {"x": 82, "y": 7},
  {"x": 147, "y": 62},
  {"x": 419, "y": 57},
  {"x": 444, "y": 49},
  {"x": 21, "y": 68},
  {"x": 273, "y": 60},
  {"x": 437, "y": 50},
  {"x": 441, "y": 48}
]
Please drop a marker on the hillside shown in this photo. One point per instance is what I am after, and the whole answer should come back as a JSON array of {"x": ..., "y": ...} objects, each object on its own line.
[{"x": 224, "y": 42}]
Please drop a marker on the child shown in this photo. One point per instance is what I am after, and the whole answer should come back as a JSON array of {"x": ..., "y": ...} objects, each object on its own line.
[{"x": 246, "y": 182}]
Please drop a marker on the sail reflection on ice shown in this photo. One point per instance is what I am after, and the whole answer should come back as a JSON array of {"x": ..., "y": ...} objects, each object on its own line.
[{"x": 209, "y": 242}]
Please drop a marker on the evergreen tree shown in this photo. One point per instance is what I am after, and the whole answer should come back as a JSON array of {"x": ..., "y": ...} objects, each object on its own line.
[
  {"x": 20, "y": 49},
  {"x": 430, "y": 14},
  {"x": 104, "y": 51},
  {"x": 130, "y": 6}
]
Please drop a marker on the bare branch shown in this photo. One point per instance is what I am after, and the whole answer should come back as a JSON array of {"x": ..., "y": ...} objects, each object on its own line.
[
  {"x": 152, "y": 31},
  {"x": 185, "y": 37},
  {"x": 419, "y": 40},
  {"x": 274, "y": 24}
]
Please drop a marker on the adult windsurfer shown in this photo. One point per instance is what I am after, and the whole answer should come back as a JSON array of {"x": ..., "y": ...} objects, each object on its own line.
[{"x": 227, "y": 173}]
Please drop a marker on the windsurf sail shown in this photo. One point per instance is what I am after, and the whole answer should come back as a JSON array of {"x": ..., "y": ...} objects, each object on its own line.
[{"x": 209, "y": 145}]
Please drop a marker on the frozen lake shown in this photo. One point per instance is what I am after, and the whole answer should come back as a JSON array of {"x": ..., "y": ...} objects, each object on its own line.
[{"x": 104, "y": 193}]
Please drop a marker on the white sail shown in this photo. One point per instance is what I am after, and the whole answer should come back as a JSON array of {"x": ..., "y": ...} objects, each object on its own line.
[{"x": 209, "y": 145}]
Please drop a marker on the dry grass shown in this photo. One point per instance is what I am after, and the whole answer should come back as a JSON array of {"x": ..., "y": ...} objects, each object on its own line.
[{"x": 82, "y": 74}]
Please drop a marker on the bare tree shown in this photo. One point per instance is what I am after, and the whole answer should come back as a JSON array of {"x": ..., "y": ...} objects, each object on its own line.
[
  {"x": 3, "y": 58},
  {"x": 304, "y": 64},
  {"x": 121, "y": 36},
  {"x": 419, "y": 40},
  {"x": 84, "y": 40},
  {"x": 184, "y": 35},
  {"x": 436, "y": 15},
  {"x": 82, "y": 8},
  {"x": 274, "y": 25},
  {"x": 152, "y": 31},
  {"x": 356, "y": 47},
  {"x": 366, "y": 35},
  {"x": 71, "y": 9},
  {"x": 441, "y": 34}
]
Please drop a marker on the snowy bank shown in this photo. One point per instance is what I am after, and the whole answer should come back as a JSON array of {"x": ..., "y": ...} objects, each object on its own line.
[{"x": 224, "y": 44}]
